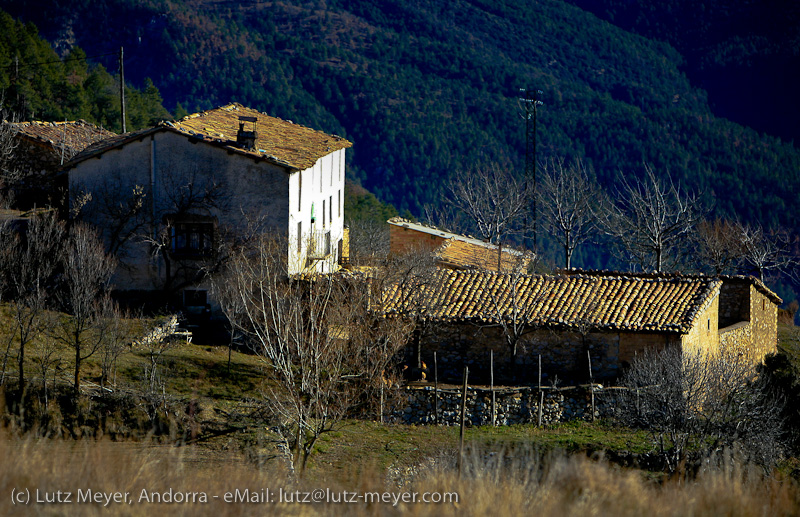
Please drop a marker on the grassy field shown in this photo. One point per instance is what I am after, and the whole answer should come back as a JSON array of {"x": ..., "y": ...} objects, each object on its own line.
[{"x": 228, "y": 445}]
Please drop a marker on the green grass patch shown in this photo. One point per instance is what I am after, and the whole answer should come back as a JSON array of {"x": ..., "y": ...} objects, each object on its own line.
[{"x": 360, "y": 445}]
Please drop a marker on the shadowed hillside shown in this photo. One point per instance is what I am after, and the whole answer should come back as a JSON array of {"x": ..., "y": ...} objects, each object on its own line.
[{"x": 423, "y": 89}]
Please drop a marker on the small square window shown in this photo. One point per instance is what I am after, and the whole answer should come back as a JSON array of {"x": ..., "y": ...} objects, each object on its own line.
[
  {"x": 195, "y": 297},
  {"x": 191, "y": 237}
]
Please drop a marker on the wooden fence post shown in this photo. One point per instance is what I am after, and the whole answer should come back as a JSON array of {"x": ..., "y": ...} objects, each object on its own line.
[
  {"x": 435, "y": 390},
  {"x": 591, "y": 381},
  {"x": 491, "y": 384},
  {"x": 381, "y": 401},
  {"x": 541, "y": 393},
  {"x": 463, "y": 414}
]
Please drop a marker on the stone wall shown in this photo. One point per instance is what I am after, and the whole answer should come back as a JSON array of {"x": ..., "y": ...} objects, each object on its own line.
[
  {"x": 403, "y": 240},
  {"x": 563, "y": 353},
  {"x": 158, "y": 333},
  {"x": 764, "y": 323},
  {"x": 734, "y": 301},
  {"x": 512, "y": 405},
  {"x": 735, "y": 339},
  {"x": 703, "y": 337},
  {"x": 749, "y": 319}
]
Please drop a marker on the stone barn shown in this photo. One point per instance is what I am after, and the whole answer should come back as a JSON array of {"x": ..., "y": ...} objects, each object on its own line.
[{"x": 575, "y": 320}]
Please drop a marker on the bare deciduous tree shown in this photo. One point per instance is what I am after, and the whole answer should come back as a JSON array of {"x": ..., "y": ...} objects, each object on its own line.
[
  {"x": 492, "y": 200},
  {"x": 31, "y": 263},
  {"x": 9, "y": 174},
  {"x": 47, "y": 360},
  {"x": 566, "y": 195},
  {"x": 764, "y": 251},
  {"x": 411, "y": 277},
  {"x": 117, "y": 328},
  {"x": 509, "y": 309},
  {"x": 87, "y": 270},
  {"x": 7, "y": 244},
  {"x": 651, "y": 220},
  {"x": 718, "y": 246},
  {"x": 701, "y": 402},
  {"x": 311, "y": 333},
  {"x": 369, "y": 242},
  {"x": 193, "y": 198},
  {"x": 445, "y": 216}
]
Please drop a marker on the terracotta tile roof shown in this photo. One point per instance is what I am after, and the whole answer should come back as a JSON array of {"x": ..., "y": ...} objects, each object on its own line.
[
  {"x": 298, "y": 146},
  {"x": 755, "y": 282},
  {"x": 464, "y": 251},
  {"x": 279, "y": 141},
  {"x": 613, "y": 301},
  {"x": 77, "y": 135},
  {"x": 461, "y": 254}
]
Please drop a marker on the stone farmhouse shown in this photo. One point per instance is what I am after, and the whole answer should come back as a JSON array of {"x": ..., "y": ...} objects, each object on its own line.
[
  {"x": 568, "y": 317},
  {"x": 40, "y": 150},
  {"x": 452, "y": 250},
  {"x": 170, "y": 198}
]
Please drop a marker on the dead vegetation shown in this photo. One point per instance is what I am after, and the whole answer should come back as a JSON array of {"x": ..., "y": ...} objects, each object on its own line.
[{"x": 498, "y": 482}]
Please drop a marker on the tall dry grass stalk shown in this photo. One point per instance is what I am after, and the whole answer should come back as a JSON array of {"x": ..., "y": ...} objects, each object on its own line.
[{"x": 494, "y": 483}]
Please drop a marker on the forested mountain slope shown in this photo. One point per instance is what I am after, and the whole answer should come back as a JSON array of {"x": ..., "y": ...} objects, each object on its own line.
[
  {"x": 424, "y": 87},
  {"x": 745, "y": 54},
  {"x": 38, "y": 84}
]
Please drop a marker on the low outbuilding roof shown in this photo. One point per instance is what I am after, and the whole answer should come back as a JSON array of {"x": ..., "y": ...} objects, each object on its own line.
[
  {"x": 608, "y": 301},
  {"x": 464, "y": 251},
  {"x": 74, "y": 135}
]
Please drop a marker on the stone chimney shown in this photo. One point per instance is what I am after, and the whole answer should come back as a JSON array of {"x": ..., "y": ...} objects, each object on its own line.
[{"x": 247, "y": 139}]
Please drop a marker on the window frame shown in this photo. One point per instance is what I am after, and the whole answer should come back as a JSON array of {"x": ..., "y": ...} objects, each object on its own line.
[{"x": 192, "y": 236}]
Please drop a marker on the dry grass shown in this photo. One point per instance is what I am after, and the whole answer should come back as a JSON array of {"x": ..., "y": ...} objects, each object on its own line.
[
  {"x": 365, "y": 456},
  {"x": 498, "y": 483}
]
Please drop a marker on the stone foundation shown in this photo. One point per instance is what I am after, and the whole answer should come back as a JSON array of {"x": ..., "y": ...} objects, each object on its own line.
[{"x": 513, "y": 405}]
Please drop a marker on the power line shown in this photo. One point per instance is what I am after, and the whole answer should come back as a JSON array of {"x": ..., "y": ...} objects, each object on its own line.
[
  {"x": 529, "y": 103},
  {"x": 42, "y": 63}
]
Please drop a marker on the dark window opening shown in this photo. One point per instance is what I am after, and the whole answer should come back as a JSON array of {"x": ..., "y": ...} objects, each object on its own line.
[
  {"x": 195, "y": 298},
  {"x": 299, "y": 237},
  {"x": 192, "y": 238}
]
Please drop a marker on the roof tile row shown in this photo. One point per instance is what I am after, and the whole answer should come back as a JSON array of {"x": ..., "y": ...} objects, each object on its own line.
[{"x": 601, "y": 302}]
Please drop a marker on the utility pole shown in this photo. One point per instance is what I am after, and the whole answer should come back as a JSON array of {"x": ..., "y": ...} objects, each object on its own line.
[
  {"x": 122, "y": 88},
  {"x": 528, "y": 101},
  {"x": 16, "y": 78}
]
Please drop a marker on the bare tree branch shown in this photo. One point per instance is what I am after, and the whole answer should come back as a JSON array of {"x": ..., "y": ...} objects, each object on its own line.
[
  {"x": 651, "y": 220},
  {"x": 566, "y": 197},
  {"x": 718, "y": 246},
  {"x": 9, "y": 173},
  {"x": 492, "y": 200},
  {"x": 697, "y": 401},
  {"x": 31, "y": 265},
  {"x": 764, "y": 251},
  {"x": 325, "y": 348},
  {"x": 87, "y": 270}
]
